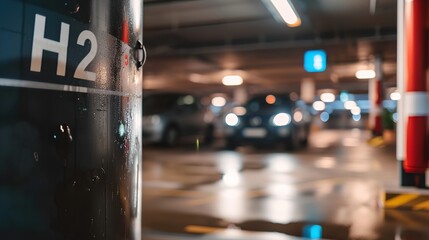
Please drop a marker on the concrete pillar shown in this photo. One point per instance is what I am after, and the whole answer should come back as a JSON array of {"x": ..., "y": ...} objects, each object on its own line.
[
  {"x": 240, "y": 95},
  {"x": 308, "y": 90},
  {"x": 376, "y": 98}
]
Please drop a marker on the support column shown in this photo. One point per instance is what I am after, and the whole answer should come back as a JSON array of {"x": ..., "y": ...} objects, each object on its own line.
[
  {"x": 240, "y": 95},
  {"x": 415, "y": 98},
  {"x": 308, "y": 90},
  {"x": 375, "y": 97},
  {"x": 406, "y": 179}
]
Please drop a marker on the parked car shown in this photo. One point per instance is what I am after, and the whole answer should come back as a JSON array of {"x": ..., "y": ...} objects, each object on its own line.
[
  {"x": 268, "y": 119},
  {"x": 169, "y": 118}
]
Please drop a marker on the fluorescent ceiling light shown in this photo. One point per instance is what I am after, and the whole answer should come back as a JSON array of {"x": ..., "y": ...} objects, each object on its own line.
[
  {"x": 365, "y": 74},
  {"x": 232, "y": 80},
  {"x": 218, "y": 101},
  {"x": 287, "y": 12}
]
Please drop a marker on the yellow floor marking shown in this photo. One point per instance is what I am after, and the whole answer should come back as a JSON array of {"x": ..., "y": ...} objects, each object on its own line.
[
  {"x": 201, "y": 229},
  {"x": 422, "y": 206},
  {"x": 255, "y": 194},
  {"x": 400, "y": 200},
  {"x": 403, "y": 219},
  {"x": 376, "y": 142}
]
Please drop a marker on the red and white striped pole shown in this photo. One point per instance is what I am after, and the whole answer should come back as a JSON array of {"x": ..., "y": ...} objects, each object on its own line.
[
  {"x": 376, "y": 92},
  {"x": 375, "y": 98},
  {"x": 415, "y": 99}
]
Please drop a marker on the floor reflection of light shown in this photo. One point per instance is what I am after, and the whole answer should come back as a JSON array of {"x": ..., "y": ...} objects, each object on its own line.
[
  {"x": 360, "y": 192},
  {"x": 231, "y": 179},
  {"x": 325, "y": 162},
  {"x": 231, "y": 204},
  {"x": 360, "y": 209},
  {"x": 318, "y": 144},
  {"x": 356, "y": 132},
  {"x": 281, "y": 190},
  {"x": 280, "y": 211},
  {"x": 312, "y": 231},
  {"x": 351, "y": 142},
  {"x": 324, "y": 139},
  {"x": 357, "y": 167},
  {"x": 376, "y": 166},
  {"x": 228, "y": 162},
  {"x": 281, "y": 163},
  {"x": 238, "y": 234},
  {"x": 232, "y": 233},
  {"x": 364, "y": 224},
  {"x": 281, "y": 178},
  {"x": 325, "y": 189}
]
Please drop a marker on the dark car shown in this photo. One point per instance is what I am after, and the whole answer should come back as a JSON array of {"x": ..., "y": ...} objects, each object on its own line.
[
  {"x": 171, "y": 117},
  {"x": 268, "y": 119}
]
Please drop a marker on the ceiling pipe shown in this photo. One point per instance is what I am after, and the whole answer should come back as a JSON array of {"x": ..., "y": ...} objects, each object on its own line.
[{"x": 266, "y": 46}]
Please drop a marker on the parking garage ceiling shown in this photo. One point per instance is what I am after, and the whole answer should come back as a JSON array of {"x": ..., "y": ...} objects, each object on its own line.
[{"x": 192, "y": 44}]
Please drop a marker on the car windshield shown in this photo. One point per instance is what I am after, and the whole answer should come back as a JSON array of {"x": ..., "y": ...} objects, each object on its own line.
[
  {"x": 268, "y": 103},
  {"x": 155, "y": 104}
]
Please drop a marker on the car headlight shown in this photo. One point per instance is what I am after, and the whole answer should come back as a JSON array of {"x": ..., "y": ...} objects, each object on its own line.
[
  {"x": 151, "y": 120},
  {"x": 281, "y": 119},
  {"x": 298, "y": 116},
  {"x": 231, "y": 119}
]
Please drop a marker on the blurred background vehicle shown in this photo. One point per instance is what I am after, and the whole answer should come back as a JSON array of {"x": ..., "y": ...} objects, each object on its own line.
[
  {"x": 269, "y": 119},
  {"x": 171, "y": 117}
]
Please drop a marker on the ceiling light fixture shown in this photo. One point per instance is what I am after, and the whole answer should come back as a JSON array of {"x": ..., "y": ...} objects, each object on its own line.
[
  {"x": 218, "y": 101},
  {"x": 287, "y": 12},
  {"x": 232, "y": 80},
  {"x": 327, "y": 97},
  {"x": 365, "y": 74}
]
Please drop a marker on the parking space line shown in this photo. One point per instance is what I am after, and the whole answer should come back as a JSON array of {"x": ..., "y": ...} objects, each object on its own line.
[
  {"x": 404, "y": 219},
  {"x": 400, "y": 200},
  {"x": 422, "y": 206},
  {"x": 407, "y": 201},
  {"x": 202, "y": 229}
]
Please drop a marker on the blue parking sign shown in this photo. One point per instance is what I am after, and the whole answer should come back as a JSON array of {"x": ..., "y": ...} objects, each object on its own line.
[{"x": 315, "y": 61}]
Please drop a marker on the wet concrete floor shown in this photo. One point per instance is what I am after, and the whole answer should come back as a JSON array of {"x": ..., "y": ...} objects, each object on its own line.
[{"x": 333, "y": 189}]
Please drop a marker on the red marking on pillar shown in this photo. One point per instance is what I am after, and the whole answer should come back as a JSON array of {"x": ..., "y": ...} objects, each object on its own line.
[
  {"x": 125, "y": 31},
  {"x": 415, "y": 157},
  {"x": 378, "y": 128},
  {"x": 415, "y": 83}
]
